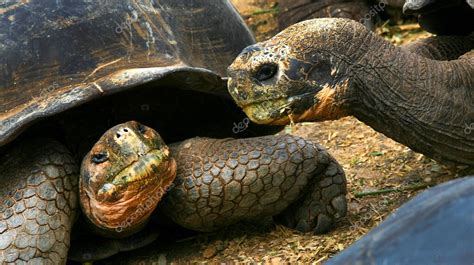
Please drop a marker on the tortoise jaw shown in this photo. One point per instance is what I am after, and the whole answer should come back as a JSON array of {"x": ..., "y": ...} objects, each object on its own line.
[
  {"x": 123, "y": 206},
  {"x": 279, "y": 111},
  {"x": 318, "y": 105},
  {"x": 147, "y": 170},
  {"x": 268, "y": 112}
]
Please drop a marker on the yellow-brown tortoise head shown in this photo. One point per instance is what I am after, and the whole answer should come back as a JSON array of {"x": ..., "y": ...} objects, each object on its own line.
[{"x": 124, "y": 177}]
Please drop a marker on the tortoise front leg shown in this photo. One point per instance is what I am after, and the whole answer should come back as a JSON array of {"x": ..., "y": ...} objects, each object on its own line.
[
  {"x": 223, "y": 181},
  {"x": 38, "y": 202}
]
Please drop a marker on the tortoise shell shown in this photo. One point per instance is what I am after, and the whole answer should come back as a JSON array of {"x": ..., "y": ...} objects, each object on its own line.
[
  {"x": 435, "y": 227},
  {"x": 56, "y": 55}
]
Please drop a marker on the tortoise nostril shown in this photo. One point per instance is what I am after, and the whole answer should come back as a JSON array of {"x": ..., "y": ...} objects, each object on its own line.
[
  {"x": 118, "y": 135},
  {"x": 125, "y": 130}
]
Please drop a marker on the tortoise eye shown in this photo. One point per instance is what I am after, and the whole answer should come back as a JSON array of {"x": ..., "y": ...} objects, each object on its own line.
[
  {"x": 99, "y": 158},
  {"x": 266, "y": 72}
]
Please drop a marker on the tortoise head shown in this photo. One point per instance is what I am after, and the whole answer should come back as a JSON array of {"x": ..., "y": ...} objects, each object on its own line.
[
  {"x": 291, "y": 77},
  {"x": 124, "y": 177}
]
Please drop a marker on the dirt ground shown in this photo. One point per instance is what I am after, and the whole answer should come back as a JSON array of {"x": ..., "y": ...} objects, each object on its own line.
[{"x": 373, "y": 164}]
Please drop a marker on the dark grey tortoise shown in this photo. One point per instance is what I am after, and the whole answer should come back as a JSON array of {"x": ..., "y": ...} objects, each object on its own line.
[{"x": 435, "y": 227}]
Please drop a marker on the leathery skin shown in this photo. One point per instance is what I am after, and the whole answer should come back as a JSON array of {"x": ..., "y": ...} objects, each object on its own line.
[
  {"x": 223, "y": 181},
  {"x": 38, "y": 203}
]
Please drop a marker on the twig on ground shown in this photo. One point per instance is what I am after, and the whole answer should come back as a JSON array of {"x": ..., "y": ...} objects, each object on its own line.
[{"x": 384, "y": 191}]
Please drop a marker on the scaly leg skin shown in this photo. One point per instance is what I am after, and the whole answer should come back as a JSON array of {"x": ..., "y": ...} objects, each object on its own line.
[
  {"x": 38, "y": 203},
  {"x": 223, "y": 181},
  {"x": 323, "y": 202}
]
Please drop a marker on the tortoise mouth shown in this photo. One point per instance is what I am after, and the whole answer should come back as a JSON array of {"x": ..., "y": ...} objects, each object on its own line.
[
  {"x": 267, "y": 112},
  {"x": 122, "y": 205},
  {"x": 278, "y": 111},
  {"x": 136, "y": 176}
]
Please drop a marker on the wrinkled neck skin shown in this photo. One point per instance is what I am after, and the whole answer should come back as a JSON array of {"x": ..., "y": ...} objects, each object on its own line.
[{"x": 424, "y": 104}]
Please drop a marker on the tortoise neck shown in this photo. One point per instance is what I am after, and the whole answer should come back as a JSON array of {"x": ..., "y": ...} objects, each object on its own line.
[{"x": 424, "y": 104}]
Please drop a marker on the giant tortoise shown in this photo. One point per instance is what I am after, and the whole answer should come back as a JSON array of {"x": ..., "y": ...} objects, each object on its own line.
[
  {"x": 325, "y": 69},
  {"x": 70, "y": 70}
]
